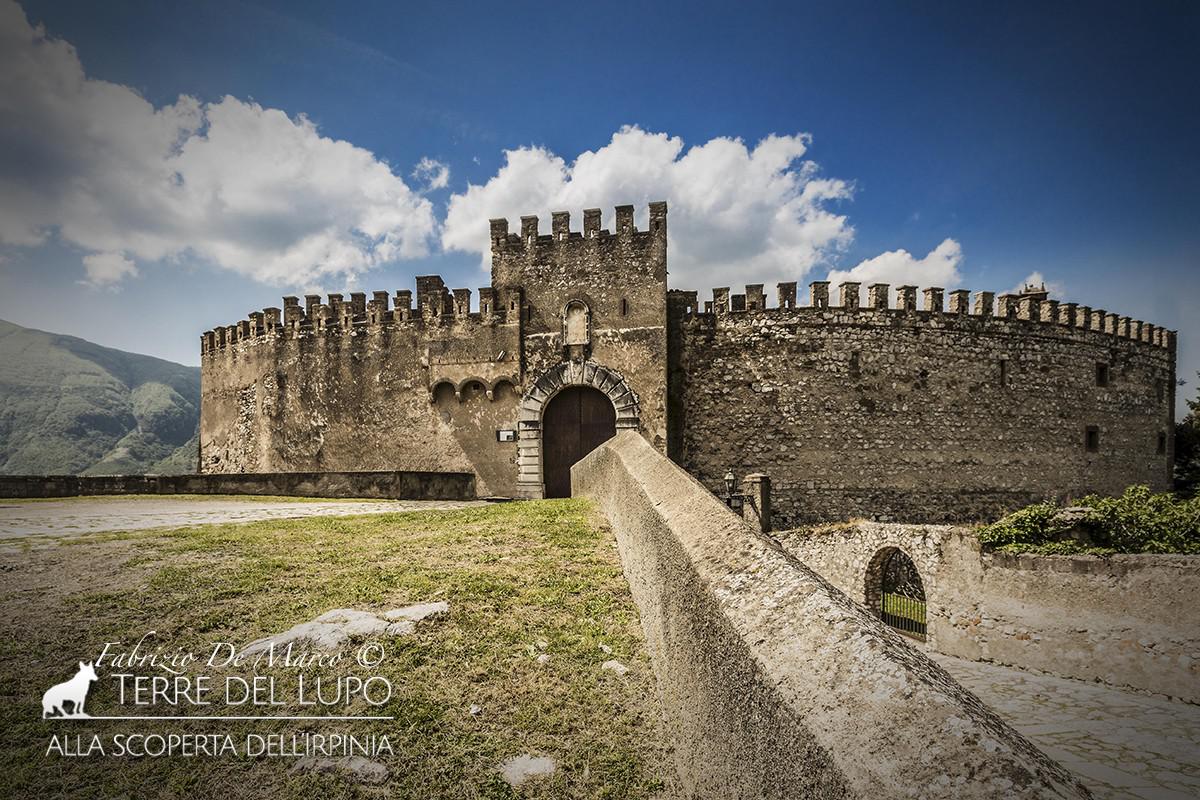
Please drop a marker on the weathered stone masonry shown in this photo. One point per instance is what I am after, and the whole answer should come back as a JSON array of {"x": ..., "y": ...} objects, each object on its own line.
[
  {"x": 1121, "y": 619},
  {"x": 379, "y": 384},
  {"x": 887, "y": 411}
]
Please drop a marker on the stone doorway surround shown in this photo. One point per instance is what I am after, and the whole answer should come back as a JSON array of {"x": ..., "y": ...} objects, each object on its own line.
[
  {"x": 575, "y": 422},
  {"x": 530, "y": 484}
]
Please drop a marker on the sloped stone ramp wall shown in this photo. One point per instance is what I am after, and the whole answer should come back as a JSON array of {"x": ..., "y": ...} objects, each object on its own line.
[{"x": 775, "y": 684}]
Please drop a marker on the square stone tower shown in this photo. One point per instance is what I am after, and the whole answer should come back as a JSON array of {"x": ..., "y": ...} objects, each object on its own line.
[{"x": 594, "y": 316}]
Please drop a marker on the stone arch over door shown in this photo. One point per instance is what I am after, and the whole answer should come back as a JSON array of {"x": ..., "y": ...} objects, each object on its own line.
[
  {"x": 530, "y": 483},
  {"x": 893, "y": 574}
]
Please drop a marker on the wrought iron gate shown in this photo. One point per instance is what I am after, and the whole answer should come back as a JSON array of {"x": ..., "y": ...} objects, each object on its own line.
[{"x": 902, "y": 596}]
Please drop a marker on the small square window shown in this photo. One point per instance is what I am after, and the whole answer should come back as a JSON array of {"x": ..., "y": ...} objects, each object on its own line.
[
  {"x": 1162, "y": 443},
  {"x": 1101, "y": 374},
  {"x": 1092, "y": 439}
]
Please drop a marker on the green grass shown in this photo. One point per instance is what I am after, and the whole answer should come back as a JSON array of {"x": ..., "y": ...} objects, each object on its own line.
[
  {"x": 905, "y": 607},
  {"x": 513, "y": 574}
]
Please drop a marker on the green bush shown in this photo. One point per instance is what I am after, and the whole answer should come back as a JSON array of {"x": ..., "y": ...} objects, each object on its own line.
[{"x": 1138, "y": 521}]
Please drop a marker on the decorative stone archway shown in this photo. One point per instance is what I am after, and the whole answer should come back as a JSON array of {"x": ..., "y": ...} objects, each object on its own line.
[{"x": 569, "y": 373}]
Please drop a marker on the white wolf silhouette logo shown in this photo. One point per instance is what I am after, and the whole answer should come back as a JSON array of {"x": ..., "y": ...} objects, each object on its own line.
[{"x": 73, "y": 691}]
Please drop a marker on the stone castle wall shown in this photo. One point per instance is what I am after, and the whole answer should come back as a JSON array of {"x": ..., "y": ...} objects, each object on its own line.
[
  {"x": 883, "y": 411},
  {"x": 888, "y": 412},
  {"x": 358, "y": 384},
  {"x": 364, "y": 393}
]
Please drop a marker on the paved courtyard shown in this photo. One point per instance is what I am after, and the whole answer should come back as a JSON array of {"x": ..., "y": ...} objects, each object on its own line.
[
  {"x": 94, "y": 514},
  {"x": 1122, "y": 744}
]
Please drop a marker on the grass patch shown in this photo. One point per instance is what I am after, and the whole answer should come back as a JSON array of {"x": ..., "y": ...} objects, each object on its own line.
[
  {"x": 514, "y": 575},
  {"x": 906, "y": 607}
]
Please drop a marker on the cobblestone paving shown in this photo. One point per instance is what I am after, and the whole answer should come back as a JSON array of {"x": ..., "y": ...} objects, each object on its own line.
[
  {"x": 1122, "y": 744},
  {"x": 91, "y": 515}
]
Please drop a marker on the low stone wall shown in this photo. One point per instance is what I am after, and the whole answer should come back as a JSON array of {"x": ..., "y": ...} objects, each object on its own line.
[
  {"x": 390, "y": 485},
  {"x": 776, "y": 685},
  {"x": 844, "y": 554},
  {"x": 1125, "y": 620},
  {"x": 802, "y": 503}
]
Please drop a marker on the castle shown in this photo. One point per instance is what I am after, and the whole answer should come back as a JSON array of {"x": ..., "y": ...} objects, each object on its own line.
[{"x": 936, "y": 410}]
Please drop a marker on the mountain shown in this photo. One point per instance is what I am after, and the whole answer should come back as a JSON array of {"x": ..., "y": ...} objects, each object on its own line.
[{"x": 68, "y": 406}]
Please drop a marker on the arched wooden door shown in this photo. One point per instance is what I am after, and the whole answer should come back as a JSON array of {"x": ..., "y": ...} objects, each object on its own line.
[{"x": 577, "y": 421}]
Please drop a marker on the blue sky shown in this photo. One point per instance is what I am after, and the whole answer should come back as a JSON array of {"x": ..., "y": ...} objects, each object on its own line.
[{"x": 957, "y": 142}]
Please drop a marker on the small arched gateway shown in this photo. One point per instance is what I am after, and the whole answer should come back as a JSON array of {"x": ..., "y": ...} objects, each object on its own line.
[
  {"x": 572, "y": 408},
  {"x": 895, "y": 592}
]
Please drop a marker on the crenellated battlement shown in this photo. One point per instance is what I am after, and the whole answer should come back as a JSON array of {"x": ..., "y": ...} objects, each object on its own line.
[
  {"x": 1033, "y": 306},
  {"x": 436, "y": 307},
  {"x": 545, "y": 263},
  {"x": 560, "y": 228}
]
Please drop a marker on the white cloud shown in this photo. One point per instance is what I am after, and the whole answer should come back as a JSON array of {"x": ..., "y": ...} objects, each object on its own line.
[
  {"x": 254, "y": 190},
  {"x": 433, "y": 173},
  {"x": 900, "y": 267},
  {"x": 231, "y": 183},
  {"x": 104, "y": 269},
  {"x": 736, "y": 214}
]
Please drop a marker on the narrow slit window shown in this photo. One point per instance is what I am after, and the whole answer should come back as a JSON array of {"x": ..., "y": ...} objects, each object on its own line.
[
  {"x": 624, "y": 307},
  {"x": 1162, "y": 443},
  {"x": 1101, "y": 374},
  {"x": 1091, "y": 439},
  {"x": 1004, "y": 372}
]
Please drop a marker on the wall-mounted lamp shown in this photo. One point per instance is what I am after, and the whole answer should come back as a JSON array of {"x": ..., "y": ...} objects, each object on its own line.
[{"x": 733, "y": 499}]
